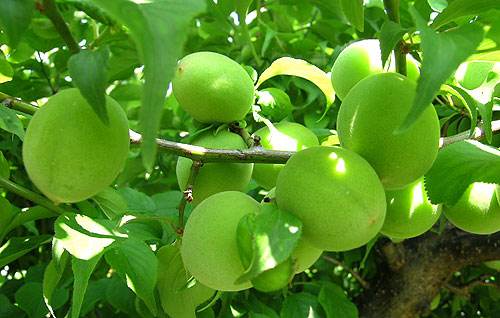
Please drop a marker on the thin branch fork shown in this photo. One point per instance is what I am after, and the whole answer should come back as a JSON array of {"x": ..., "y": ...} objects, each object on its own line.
[
  {"x": 187, "y": 196},
  {"x": 354, "y": 273}
]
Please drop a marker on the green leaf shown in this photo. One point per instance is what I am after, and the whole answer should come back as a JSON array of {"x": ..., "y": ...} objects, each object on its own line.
[
  {"x": 469, "y": 103},
  {"x": 15, "y": 18},
  {"x": 18, "y": 246},
  {"x": 120, "y": 296},
  {"x": 275, "y": 235},
  {"x": 29, "y": 298},
  {"x": 137, "y": 202},
  {"x": 88, "y": 69},
  {"x": 84, "y": 237},
  {"x": 82, "y": 269},
  {"x": 167, "y": 203},
  {"x": 4, "y": 167},
  {"x": 134, "y": 260},
  {"x": 274, "y": 104},
  {"x": 31, "y": 214},
  {"x": 7, "y": 213},
  {"x": 354, "y": 12},
  {"x": 159, "y": 29},
  {"x": 96, "y": 292},
  {"x": 437, "y": 67},
  {"x": 242, "y": 9},
  {"x": 390, "y": 34},
  {"x": 6, "y": 70},
  {"x": 7, "y": 309},
  {"x": 10, "y": 122},
  {"x": 260, "y": 309},
  {"x": 51, "y": 277},
  {"x": 438, "y": 5},
  {"x": 486, "y": 112},
  {"x": 111, "y": 202},
  {"x": 335, "y": 302},
  {"x": 491, "y": 56},
  {"x": 302, "y": 305},
  {"x": 300, "y": 68},
  {"x": 463, "y": 8},
  {"x": 459, "y": 165},
  {"x": 179, "y": 298}
]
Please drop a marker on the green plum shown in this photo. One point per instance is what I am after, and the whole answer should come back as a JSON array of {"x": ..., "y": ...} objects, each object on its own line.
[
  {"x": 285, "y": 136},
  {"x": 336, "y": 194},
  {"x": 69, "y": 153},
  {"x": 211, "y": 87},
  {"x": 367, "y": 122},
  {"x": 215, "y": 177}
]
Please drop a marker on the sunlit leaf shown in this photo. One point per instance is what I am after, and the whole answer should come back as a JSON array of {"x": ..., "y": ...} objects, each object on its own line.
[
  {"x": 461, "y": 8},
  {"x": 300, "y": 68},
  {"x": 459, "y": 165}
]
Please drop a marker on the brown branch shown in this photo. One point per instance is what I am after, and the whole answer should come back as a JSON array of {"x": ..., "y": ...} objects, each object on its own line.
[
  {"x": 50, "y": 10},
  {"x": 466, "y": 290},
  {"x": 255, "y": 154},
  {"x": 429, "y": 262},
  {"x": 354, "y": 273}
]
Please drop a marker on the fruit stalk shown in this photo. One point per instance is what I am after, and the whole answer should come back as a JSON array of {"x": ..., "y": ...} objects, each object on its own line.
[
  {"x": 392, "y": 10},
  {"x": 50, "y": 10},
  {"x": 188, "y": 194},
  {"x": 30, "y": 195}
]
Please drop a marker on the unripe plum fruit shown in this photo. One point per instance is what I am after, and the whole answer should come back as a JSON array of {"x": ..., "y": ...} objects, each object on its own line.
[
  {"x": 336, "y": 194},
  {"x": 209, "y": 247},
  {"x": 304, "y": 256},
  {"x": 215, "y": 177},
  {"x": 69, "y": 153},
  {"x": 409, "y": 212},
  {"x": 211, "y": 87},
  {"x": 285, "y": 136},
  {"x": 368, "y": 118},
  {"x": 362, "y": 59},
  {"x": 477, "y": 211},
  {"x": 276, "y": 278}
]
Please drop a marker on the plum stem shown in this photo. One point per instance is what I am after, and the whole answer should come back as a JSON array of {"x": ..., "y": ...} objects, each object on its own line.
[
  {"x": 30, "y": 195},
  {"x": 187, "y": 196},
  {"x": 392, "y": 10}
]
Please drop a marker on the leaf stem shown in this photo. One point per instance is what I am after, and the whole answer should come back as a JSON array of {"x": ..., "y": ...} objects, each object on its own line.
[
  {"x": 30, "y": 195},
  {"x": 392, "y": 10},
  {"x": 50, "y": 10},
  {"x": 188, "y": 194}
]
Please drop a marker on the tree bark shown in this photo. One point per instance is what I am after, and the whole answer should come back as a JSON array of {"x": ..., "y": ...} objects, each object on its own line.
[{"x": 417, "y": 269}]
